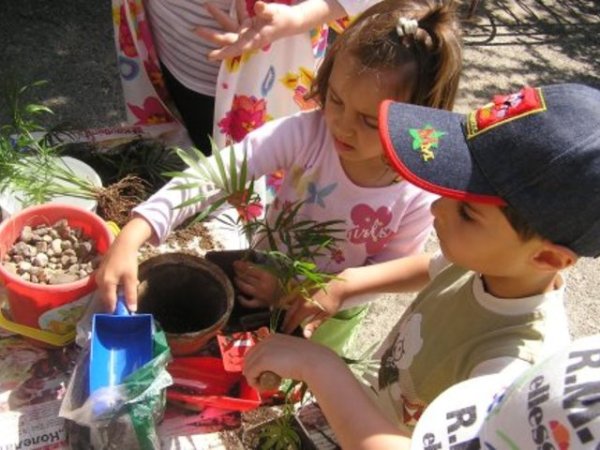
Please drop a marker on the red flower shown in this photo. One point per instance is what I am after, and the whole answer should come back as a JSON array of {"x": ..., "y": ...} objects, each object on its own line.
[
  {"x": 125, "y": 39},
  {"x": 337, "y": 255},
  {"x": 247, "y": 208},
  {"x": 303, "y": 104},
  {"x": 152, "y": 112},
  {"x": 156, "y": 78},
  {"x": 245, "y": 115}
]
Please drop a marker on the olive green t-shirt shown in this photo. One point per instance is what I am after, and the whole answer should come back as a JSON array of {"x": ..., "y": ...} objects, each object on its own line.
[{"x": 452, "y": 326}]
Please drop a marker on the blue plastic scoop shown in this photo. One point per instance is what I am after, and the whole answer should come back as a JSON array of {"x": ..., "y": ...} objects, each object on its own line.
[{"x": 121, "y": 344}]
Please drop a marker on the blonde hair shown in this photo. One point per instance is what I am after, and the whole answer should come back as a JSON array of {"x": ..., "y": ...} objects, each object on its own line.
[{"x": 433, "y": 48}]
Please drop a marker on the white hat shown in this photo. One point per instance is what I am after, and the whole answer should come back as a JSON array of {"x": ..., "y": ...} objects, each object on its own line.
[{"x": 553, "y": 405}]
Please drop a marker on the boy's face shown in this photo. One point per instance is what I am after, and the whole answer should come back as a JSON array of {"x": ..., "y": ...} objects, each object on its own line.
[
  {"x": 478, "y": 237},
  {"x": 351, "y": 108}
]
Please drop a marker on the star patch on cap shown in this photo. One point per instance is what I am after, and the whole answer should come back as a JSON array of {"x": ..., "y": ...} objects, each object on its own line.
[{"x": 425, "y": 140}]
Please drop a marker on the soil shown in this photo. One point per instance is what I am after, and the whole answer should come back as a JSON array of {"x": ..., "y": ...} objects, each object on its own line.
[
  {"x": 252, "y": 421},
  {"x": 193, "y": 239}
]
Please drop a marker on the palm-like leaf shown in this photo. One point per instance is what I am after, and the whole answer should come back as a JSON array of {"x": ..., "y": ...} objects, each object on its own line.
[{"x": 29, "y": 165}]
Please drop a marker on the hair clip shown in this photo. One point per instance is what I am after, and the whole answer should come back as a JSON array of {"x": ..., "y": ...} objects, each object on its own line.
[{"x": 406, "y": 27}]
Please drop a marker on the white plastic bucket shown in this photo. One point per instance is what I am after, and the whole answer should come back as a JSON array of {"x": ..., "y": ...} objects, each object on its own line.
[{"x": 10, "y": 204}]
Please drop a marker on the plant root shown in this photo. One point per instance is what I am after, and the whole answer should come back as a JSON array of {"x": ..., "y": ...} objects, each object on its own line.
[{"x": 116, "y": 200}]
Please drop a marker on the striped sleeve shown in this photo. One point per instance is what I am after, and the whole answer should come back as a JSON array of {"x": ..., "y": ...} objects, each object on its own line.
[{"x": 179, "y": 48}]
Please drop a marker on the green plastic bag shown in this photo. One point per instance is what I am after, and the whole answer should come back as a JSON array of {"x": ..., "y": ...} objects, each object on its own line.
[
  {"x": 139, "y": 404},
  {"x": 338, "y": 332}
]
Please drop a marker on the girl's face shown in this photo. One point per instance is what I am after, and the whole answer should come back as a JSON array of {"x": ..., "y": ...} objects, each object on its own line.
[{"x": 351, "y": 108}]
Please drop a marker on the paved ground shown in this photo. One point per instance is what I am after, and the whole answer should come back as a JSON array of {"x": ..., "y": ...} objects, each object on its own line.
[{"x": 507, "y": 44}]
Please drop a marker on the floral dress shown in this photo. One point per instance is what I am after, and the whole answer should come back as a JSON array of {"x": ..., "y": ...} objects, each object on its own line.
[
  {"x": 146, "y": 98},
  {"x": 251, "y": 89},
  {"x": 265, "y": 84}
]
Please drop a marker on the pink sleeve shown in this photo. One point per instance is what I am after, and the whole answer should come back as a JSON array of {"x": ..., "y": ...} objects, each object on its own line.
[{"x": 276, "y": 145}]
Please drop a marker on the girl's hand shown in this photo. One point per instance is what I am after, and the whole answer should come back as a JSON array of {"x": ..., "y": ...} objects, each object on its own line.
[
  {"x": 119, "y": 265},
  {"x": 324, "y": 304},
  {"x": 287, "y": 356},
  {"x": 259, "y": 286},
  {"x": 271, "y": 21}
]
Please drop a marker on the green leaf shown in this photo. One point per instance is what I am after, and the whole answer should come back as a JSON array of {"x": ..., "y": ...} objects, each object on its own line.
[
  {"x": 36, "y": 109},
  {"x": 223, "y": 178},
  {"x": 185, "y": 186},
  {"x": 244, "y": 175},
  {"x": 187, "y": 175},
  {"x": 233, "y": 173}
]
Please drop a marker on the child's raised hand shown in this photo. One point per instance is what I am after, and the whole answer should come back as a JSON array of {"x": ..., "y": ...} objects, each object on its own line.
[
  {"x": 287, "y": 356},
  {"x": 259, "y": 286},
  {"x": 270, "y": 22}
]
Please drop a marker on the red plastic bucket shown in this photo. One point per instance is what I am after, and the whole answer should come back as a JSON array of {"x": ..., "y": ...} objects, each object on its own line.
[{"x": 31, "y": 302}]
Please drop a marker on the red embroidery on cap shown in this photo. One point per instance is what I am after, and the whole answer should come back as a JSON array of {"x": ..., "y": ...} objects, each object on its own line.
[{"x": 505, "y": 108}]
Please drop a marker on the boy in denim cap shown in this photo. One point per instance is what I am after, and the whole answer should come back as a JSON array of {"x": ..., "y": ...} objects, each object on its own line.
[{"x": 519, "y": 180}]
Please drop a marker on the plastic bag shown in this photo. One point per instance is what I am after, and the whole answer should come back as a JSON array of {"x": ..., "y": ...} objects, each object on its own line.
[{"x": 139, "y": 404}]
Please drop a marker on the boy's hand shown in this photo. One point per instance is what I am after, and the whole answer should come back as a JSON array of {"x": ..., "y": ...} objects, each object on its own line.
[
  {"x": 271, "y": 21},
  {"x": 287, "y": 356},
  {"x": 324, "y": 304},
  {"x": 259, "y": 286}
]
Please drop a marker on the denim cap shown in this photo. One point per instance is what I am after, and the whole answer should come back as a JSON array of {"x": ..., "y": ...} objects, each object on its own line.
[
  {"x": 537, "y": 150},
  {"x": 555, "y": 404}
]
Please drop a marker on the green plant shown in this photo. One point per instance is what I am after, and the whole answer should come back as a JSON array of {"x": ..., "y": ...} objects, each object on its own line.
[
  {"x": 29, "y": 165},
  {"x": 280, "y": 434},
  {"x": 32, "y": 171},
  {"x": 364, "y": 365},
  {"x": 290, "y": 244},
  {"x": 147, "y": 158}
]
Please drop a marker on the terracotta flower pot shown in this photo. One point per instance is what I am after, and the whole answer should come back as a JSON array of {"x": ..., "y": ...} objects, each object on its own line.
[{"x": 189, "y": 296}]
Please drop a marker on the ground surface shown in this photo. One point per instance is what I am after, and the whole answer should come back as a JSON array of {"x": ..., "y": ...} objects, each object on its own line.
[{"x": 507, "y": 44}]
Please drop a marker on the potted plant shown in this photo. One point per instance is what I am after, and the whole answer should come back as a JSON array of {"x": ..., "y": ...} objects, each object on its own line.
[
  {"x": 303, "y": 239},
  {"x": 33, "y": 172},
  {"x": 279, "y": 433}
]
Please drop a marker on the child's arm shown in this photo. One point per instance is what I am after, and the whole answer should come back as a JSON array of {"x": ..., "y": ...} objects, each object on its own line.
[
  {"x": 271, "y": 21},
  {"x": 354, "y": 417},
  {"x": 407, "y": 274},
  {"x": 119, "y": 265},
  {"x": 275, "y": 145}
]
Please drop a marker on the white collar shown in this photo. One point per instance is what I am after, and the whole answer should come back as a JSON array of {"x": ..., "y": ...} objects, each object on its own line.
[{"x": 517, "y": 306}]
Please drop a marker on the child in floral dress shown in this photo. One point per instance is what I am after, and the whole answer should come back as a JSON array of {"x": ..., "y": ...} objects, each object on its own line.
[{"x": 407, "y": 50}]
